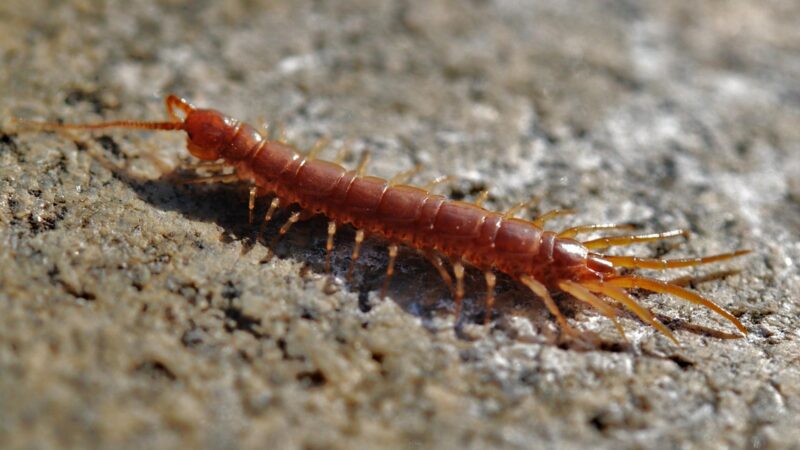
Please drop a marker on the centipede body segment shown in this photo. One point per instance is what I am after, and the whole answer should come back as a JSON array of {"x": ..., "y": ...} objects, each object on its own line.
[{"x": 465, "y": 234}]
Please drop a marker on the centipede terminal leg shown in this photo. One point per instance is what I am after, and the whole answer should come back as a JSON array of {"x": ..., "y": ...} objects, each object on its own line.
[
  {"x": 630, "y": 303},
  {"x": 662, "y": 287},
  {"x": 664, "y": 264},
  {"x": 573, "y": 231},
  {"x": 617, "y": 241}
]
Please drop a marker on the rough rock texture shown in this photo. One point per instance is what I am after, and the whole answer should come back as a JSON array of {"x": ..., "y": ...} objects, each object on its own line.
[{"x": 137, "y": 312}]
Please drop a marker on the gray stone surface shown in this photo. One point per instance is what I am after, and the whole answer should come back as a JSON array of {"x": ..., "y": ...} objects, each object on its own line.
[{"x": 134, "y": 312}]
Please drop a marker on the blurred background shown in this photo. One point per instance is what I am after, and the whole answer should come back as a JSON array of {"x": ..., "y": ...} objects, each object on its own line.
[{"x": 134, "y": 314}]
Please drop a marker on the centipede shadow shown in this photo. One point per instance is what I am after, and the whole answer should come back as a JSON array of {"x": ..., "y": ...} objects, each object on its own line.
[{"x": 416, "y": 285}]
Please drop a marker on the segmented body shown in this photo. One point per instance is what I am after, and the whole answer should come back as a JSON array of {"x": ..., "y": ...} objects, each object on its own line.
[
  {"x": 463, "y": 233},
  {"x": 413, "y": 216},
  {"x": 398, "y": 213}
]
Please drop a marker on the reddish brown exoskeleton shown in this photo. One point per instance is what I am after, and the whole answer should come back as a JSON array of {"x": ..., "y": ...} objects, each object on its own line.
[{"x": 463, "y": 233}]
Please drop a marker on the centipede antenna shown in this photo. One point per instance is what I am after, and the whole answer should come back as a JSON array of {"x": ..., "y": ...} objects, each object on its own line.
[
  {"x": 172, "y": 102},
  {"x": 33, "y": 125}
]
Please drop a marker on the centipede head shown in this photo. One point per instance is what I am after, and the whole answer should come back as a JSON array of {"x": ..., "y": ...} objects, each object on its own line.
[{"x": 208, "y": 131}]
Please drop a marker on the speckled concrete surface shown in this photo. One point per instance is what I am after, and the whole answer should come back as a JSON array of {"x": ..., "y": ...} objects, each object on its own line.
[{"x": 136, "y": 312}]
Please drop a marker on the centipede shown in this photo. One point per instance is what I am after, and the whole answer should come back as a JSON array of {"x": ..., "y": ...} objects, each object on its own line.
[{"x": 447, "y": 232}]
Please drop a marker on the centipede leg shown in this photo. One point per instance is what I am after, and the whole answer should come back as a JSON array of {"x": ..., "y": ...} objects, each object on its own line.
[
  {"x": 363, "y": 162},
  {"x": 393, "y": 248},
  {"x": 437, "y": 262},
  {"x": 329, "y": 245},
  {"x": 356, "y": 253},
  {"x": 664, "y": 264},
  {"x": 652, "y": 285},
  {"x": 437, "y": 181},
  {"x": 458, "y": 271},
  {"x": 263, "y": 126},
  {"x": 342, "y": 154},
  {"x": 280, "y": 133},
  {"x": 491, "y": 280},
  {"x": 293, "y": 219},
  {"x": 541, "y": 291},
  {"x": 480, "y": 199},
  {"x": 251, "y": 204},
  {"x": 273, "y": 206},
  {"x": 317, "y": 147},
  {"x": 570, "y": 232},
  {"x": 520, "y": 206},
  {"x": 629, "y": 302},
  {"x": 541, "y": 220},
  {"x": 402, "y": 177},
  {"x": 584, "y": 295},
  {"x": 616, "y": 241}
]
